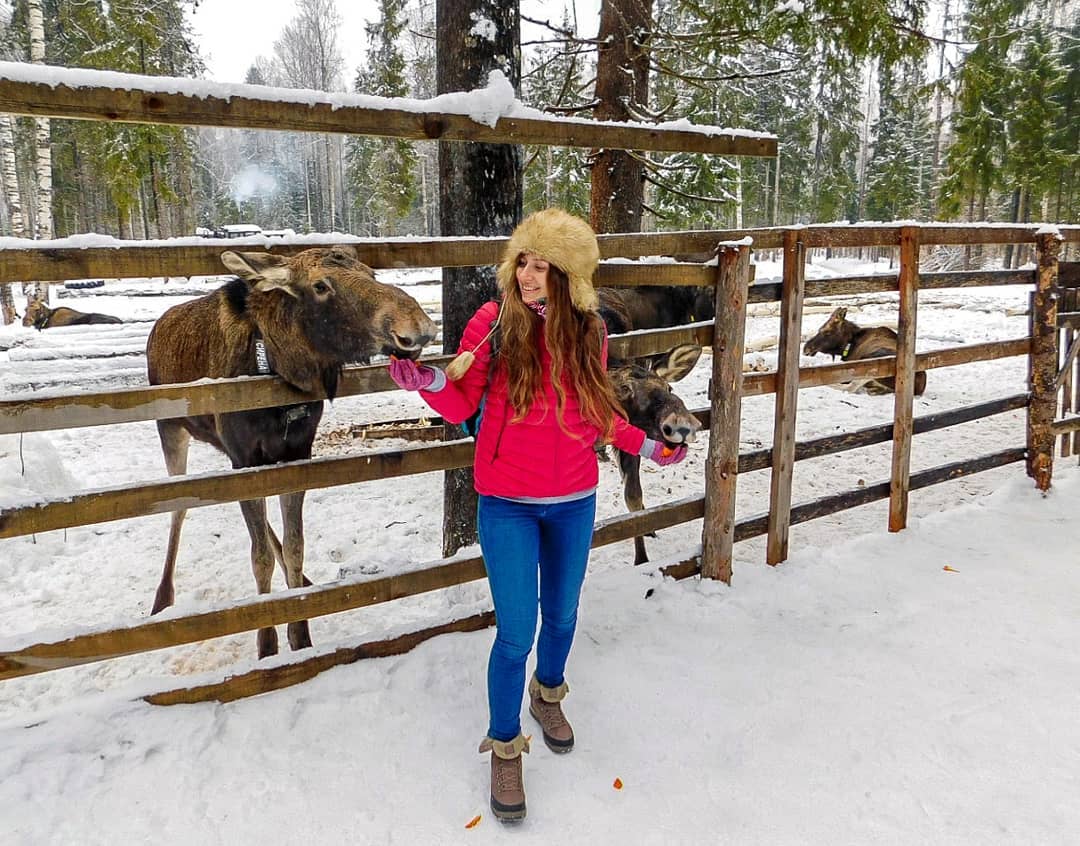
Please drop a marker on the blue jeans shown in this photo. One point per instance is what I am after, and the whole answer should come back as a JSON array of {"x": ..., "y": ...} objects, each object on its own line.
[{"x": 531, "y": 551}]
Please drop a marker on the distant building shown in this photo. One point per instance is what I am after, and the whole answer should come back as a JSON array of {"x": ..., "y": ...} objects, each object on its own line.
[
  {"x": 237, "y": 230},
  {"x": 204, "y": 232},
  {"x": 279, "y": 233}
]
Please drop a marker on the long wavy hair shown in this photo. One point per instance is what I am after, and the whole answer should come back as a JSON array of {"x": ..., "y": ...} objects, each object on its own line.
[{"x": 574, "y": 339}]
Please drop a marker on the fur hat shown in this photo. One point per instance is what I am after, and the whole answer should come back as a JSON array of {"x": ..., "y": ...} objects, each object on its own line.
[{"x": 564, "y": 240}]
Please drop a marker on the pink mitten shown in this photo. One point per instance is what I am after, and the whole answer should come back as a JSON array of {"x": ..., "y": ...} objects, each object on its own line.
[
  {"x": 661, "y": 453},
  {"x": 409, "y": 375}
]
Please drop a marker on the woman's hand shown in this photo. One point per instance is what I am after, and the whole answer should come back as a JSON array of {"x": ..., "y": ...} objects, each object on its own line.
[
  {"x": 409, "y": 375},
  {"x": 661, "y": 453}
]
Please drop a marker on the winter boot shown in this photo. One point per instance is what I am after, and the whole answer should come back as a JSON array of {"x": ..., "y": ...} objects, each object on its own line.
[
  {"x": 545, "y": 708},
  {"x": 507, "y": 784}
]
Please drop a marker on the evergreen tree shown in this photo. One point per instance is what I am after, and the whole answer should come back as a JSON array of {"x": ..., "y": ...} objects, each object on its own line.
[
  {"x": 898, "y": 174},
  {"x": 382, "y": 172}
]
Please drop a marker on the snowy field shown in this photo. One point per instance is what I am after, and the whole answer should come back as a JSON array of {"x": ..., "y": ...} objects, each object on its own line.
[{"x": 860, "y": 693}]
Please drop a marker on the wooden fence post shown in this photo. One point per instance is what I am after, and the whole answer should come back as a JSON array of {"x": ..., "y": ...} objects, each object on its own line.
[
  {"x": 1044, "y": 358},
  {"x": 905, "y": 378},
  {"x": 787, "y": 397},
  {"x": 721, "y": 467}
]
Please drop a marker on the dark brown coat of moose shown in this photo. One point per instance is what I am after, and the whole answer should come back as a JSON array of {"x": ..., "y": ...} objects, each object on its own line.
[
  {"x": 644, "y": 389},
  {"x": 40, "y": 316},
  {"x": 645, "y": 394},
  {"x": 301, "y": 318},
  {"x": 839, "y": 336}
]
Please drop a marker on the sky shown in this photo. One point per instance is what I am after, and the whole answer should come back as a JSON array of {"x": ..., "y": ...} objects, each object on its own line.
[
  {"x": 217, "y": 22},
  {"x": 908, "y": 688}
]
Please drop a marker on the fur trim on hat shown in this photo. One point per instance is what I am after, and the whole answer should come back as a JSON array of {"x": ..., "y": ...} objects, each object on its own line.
[{"x": 563, "y": 240}]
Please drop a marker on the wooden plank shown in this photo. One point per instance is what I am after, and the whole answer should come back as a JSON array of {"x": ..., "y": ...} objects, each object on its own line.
[
  {"x": 870, "y": 235},
  {"x": 787, "y": 399},
  {"x": 160, "y": 497},
  {"x": 1073, "y": 345},
  {"x": 303, "y": 603},
  {"x": 58, "y": 259},
  {"x": 835, "y": 503},
  {"x": 722, "y": 464},
  {"x": 905, "y": 377},
  {"x": 127, "y": 98},
  {"x": 259, "y": 681},
  {"x": 1069, "y": 424},
  {"x": 1043, "y": 370},
  {"x": 126, "y": 405}
]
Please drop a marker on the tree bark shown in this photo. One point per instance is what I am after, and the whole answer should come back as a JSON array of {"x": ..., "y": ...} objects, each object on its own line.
[
  {"x": 9, "y": 176},
  {"x": 39, "y": 291},
  {"x": 479, "y": 194},
  {"x": 622, "y": 80}
]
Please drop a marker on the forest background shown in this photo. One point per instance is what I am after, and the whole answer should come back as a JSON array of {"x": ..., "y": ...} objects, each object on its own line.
[{"x": 884, "y": 109}]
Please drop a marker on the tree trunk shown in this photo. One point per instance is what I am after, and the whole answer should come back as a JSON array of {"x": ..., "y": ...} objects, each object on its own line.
[
  {"x": 9, "y": 176},
  {"x": 479, "y": 194},
  {"x": 622, "y": 79},
  {"x": 39, "y": 291}
]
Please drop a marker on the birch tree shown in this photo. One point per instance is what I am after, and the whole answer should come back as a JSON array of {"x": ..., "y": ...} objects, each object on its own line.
[
  {"x": 43, "y": 229},
  {"x": 10, "y": 177}
]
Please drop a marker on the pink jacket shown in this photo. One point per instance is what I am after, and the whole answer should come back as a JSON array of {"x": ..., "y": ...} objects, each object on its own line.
[{"x": 534, "y": 457}]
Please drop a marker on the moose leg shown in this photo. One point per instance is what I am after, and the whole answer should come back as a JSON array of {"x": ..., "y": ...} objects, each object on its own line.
[
  {"x": 292, "y": 519},
  {"x": 174, "y": 444},
  {"x": 279, "y": 556},
  {"x": 630, "y": 465},
  {"x": 262, "y": 563}
]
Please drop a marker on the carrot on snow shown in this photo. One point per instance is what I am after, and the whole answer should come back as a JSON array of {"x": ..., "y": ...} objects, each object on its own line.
[
  {"x": 617, "y": 784},
  {"x": 474, "y": 822}
]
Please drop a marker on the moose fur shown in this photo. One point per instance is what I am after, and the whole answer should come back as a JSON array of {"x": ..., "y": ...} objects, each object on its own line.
[
  {"x": 839, "y": 336},
  {"x": 312, "y": 313},
  {"x": 40, "y": 316},
  {"x": 645, "y": 394},
  {"x": 654, "y": 306}
]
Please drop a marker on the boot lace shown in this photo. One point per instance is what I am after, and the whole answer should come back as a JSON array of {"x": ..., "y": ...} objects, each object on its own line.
[
  {"x": 550, "y": 713},
  {"x": 508, "y": 775}
]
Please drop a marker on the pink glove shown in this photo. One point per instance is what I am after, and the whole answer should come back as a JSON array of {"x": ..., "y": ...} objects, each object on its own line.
[
  {"x": 409, "y": 375},
  {"x": 661, "y": 453}
]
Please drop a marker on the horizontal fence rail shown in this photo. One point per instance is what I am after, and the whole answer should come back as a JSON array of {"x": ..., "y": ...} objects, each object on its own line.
[
  {"x": 752, "y": 527},
  {"x": 123, "y": 502},
  {"x": 63, "y": 259},
  {"x": 118, "y": 97},
  {"x": 301, "y": 603}
]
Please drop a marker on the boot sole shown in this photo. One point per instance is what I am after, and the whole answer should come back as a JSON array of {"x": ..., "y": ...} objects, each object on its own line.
[
  {"x": 559, "y": 747},
  {"x": 507, "y": 813}
]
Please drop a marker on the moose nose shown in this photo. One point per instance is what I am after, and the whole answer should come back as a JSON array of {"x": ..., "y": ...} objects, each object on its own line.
[{"x": 682, "y": 432}]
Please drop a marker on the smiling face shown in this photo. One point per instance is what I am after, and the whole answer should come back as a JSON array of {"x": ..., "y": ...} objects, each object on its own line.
[{"x": 532, "y": 277}]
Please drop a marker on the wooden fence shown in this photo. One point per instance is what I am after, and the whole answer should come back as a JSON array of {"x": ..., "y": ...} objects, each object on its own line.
[{"x": 731, "y": 276}]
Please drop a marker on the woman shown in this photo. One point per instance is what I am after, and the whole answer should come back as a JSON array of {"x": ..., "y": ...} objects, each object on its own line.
[{"x": 538, "y": 361}]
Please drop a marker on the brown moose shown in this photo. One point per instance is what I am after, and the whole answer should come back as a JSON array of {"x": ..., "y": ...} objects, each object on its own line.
[
  {"x": 839, "y": 336},
  {"x": 301, "y": 318},
  {"x": 40, "y": 316}
]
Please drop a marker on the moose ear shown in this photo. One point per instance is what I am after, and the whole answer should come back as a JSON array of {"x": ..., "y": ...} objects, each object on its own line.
[
  {"x": 678, "y": 363},
  {"x": 263, "y": 271},
  {"x": 840, "y": 313}
]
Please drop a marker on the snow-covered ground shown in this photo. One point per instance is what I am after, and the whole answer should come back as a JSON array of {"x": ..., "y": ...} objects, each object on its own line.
[{"x": 860, "y": 693}]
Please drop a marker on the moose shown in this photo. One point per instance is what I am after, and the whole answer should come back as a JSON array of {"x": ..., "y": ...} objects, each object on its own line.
[
  {"x": 654, "y": 306},
  {"x": 839, "y": 336},
  {"x": 302, "y": 319},
  {"x": 645, "y": 394},
  {"x": 40, "y": 316},
  {"x": 644, "y": 388}
]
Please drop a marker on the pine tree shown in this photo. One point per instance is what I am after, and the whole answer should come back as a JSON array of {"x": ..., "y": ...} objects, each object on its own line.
[
  {"x": 382, "y": 172},
  {"x": 899, "y": 171}
]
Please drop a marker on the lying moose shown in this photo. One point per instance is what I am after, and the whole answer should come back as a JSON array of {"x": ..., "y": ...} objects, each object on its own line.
[
  {"x": 839, "y": 336},
  {"x": 302, "y": 319},
  {"x": 40, "y": 316}
]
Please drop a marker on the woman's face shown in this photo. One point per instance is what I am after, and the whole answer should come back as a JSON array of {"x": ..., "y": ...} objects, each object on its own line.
[{"x": 532, "y": 277}]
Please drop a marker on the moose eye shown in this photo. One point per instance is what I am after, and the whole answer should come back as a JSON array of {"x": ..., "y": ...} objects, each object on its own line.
[{"x": 321, "y": 288}]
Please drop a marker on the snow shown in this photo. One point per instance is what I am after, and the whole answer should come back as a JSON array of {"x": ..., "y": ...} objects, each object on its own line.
[{"x": 884, "y": 688}]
